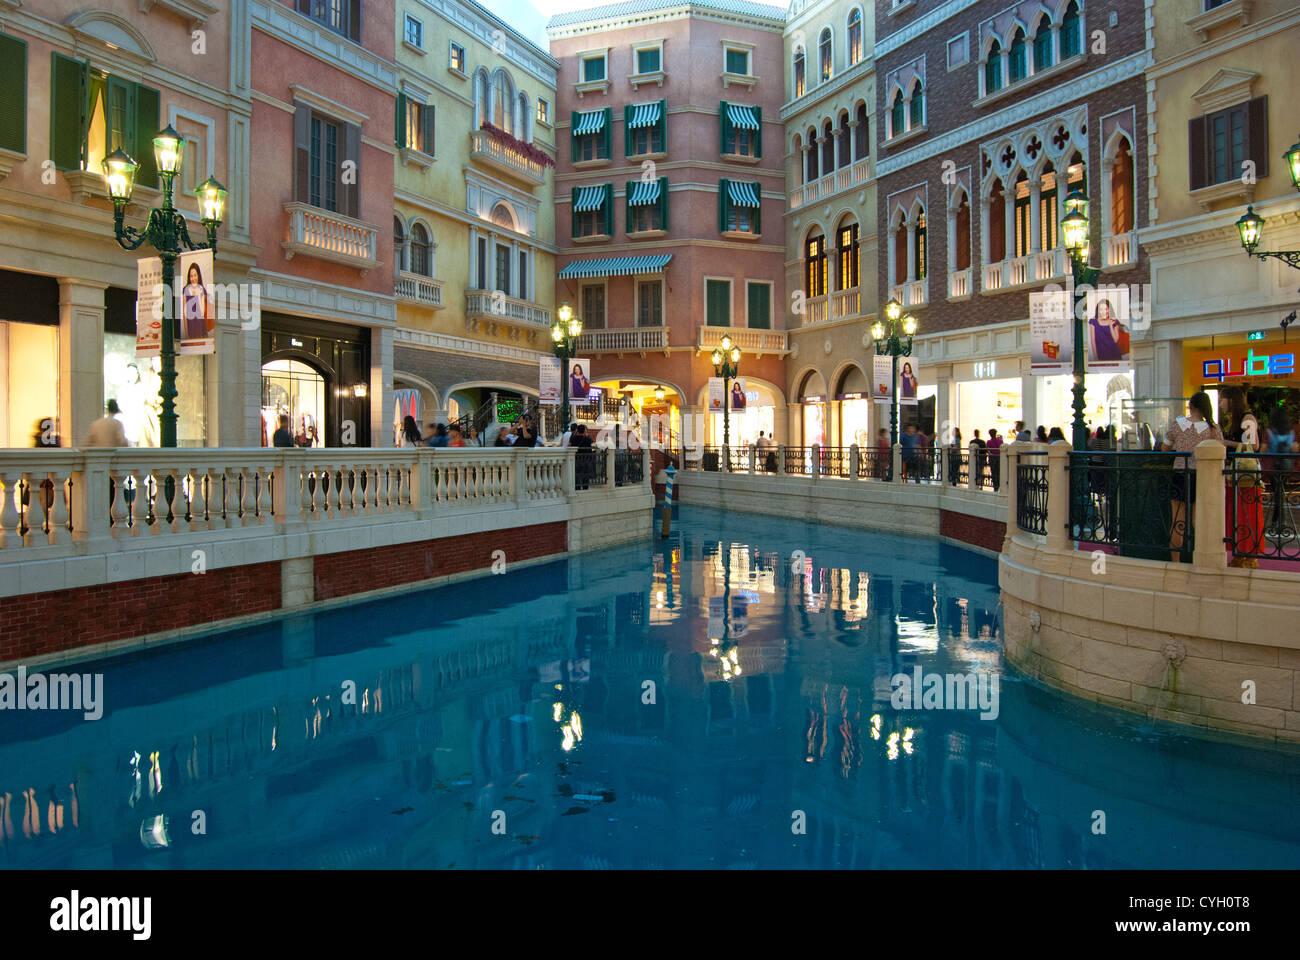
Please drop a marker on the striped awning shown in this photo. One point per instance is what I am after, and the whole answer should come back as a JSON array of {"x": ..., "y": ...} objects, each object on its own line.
[
  {"x": 742, "y": 194},
  {"x": 588, "y": 199},
  {"x": 615, "y": 266},
  {"x": 643, "y": 193},
  {"x": 592, "y": 122},
  {"x": 644, "y": 115},
  {"x": 742, "y": 118}
]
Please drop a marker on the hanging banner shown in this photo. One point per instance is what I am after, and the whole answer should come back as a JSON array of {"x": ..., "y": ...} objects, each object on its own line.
[
  {"x": 148, "y": 307},
  {"x": 882, "y": 375},
  {"x": 579, "y": 382},
  {"x": 196, "y": 311},
  {"x": 908, "y": 381},
  {"x": 1108, "y": 328},
  {"x": 548, "y": 382},
  {"x": 736, "y": 398},
  {"x": 715, "y": 394},
  {"x": 1051, "y": 333}
]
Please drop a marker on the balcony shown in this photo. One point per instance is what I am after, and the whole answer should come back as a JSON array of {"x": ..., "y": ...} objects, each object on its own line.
[
  {"x": 846, "y": 303},
  {"x": 815, "y": 310},
  {"x": 418, "y": 289},
  {"x": 959, "y": 284},
  {"x": 913, "y": 293},
  {"x": 1121, "y": 250},
  {"x": 842, "y": 179},
  {"x": 325, "y": 235},
  {"x": 627, "y": 340},
  {"x": 495, "y": 307},
  {"x": 484, "y": 148},
  {"x": 1022, "y": 271},
  {"x": 757, "y": 342}
]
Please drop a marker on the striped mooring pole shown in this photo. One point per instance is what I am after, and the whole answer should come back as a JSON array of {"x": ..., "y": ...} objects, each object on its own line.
[{"x": 666, "y": 527}]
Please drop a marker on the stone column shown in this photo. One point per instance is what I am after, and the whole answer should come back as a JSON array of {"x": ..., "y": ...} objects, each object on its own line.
[
  {"x": 911, "y": 251},
  {"x": 973, "y": 466},
  {"x": 1208, "y": 520},
  {"x": 1035, "y": 216},
  {"x": 610, "y": 456},
  {"x": 896, "y": 463},
  {"x": 381, "y": 386},
  {"x": 855, "y": 457},
  {"x": 1009, "y": 216},
  {"x": 815, "y": 461},
  {"x": 81, "y": 358},
  {"x": 1058, "y": 496}
]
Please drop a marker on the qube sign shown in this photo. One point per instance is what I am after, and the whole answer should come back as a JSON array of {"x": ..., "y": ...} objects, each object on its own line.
[{"x": 1231, "y": 365}]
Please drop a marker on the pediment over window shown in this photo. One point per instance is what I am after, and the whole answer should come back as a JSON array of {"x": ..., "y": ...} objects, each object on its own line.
[
  {"x": 1225, "y": 88},
  {"x": 108, "y": 28},
  {"x": 193, "y": 12}
]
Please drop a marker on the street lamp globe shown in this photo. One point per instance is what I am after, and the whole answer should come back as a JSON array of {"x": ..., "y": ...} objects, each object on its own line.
[
  {"x": 725, "y": 343},
  {"x": 1076, "y": 199},
  {"x": 557, "y": 333},
  {"x": 1074, "y": 233},
  {"x": 716, "y": 358},
  {"x": 1251, "y": 228},
  {"x": 735, "y": 355},
  {"x": 893, "y": 310},
  {"x": 659, "y": 394},
  {"x": 575, "y": 327},
  {"x": 878, "y": 330},
  {"x": 212, "y": 201},
  {"x": 168, "y": 149},
  {"x": 119, "y": 175},
  {"x": 1292, "y": 158},
  {"x": 909, "y": 325}
]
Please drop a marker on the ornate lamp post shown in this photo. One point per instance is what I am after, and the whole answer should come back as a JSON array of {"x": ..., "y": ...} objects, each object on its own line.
[
  {"x": 166, "y": 232},
  {"x": 891, "y": 343},
  {"x": 565, "y": 333},
  {"x": 1075, "y": 229},
  {"x": 1251, "y": 225},
  {"x": 726, "y": 364}
]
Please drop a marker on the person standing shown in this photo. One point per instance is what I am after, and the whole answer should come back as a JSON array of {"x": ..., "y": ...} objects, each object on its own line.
[
  {"x": 107, "y": 430},
  {"x": 283, "y": 436},
  {"x": 454, "y": 436},
  {"x": 439, "y": 438},
  {"x": 954, "y": 457},
  {"x": 567, "y": 435},
  {"x": 1183, "y": 436},
  {"x": 526, "y": 435},
  {"x": 994, "y": 448},
  {"x": 1022, "y": 433},
  {"x": 1280, "y": 443},
  {"x": 980, "y": 460},
  {"x": 410, "y": 432},
  {"x": 883, "y": 455},
  {"x": 910, "y": 441},
  {"x": 1244, "y": 514},
  {"x": 1041, "y": 435}
]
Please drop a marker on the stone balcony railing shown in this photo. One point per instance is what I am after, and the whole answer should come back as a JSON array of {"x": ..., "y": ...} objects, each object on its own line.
[
  {"x": 483, "y": 147},
  {"x": 959, "y": 284},
  {"x": 625, "y": 340},
  {"x": 1121, "y": 249},
  {"x": 757, "y": 342},
  {"x": 859, "y": 171},
  {"x": 326, "y": 235},
  {"x": 913, "y": 293},
  {"x": 420, "y": 289},
  {"x": 492, "y": 305},
  {"x": 846, "y": 303},
  {"x": 1022, "y": 271}
]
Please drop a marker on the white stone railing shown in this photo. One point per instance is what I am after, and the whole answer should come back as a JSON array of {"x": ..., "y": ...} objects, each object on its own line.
[
  {"x": 489, "y": 305},
  {"x": 815, "y": 310},
  {"x": 959, "y": 283},
  {"x": 1121, "y": 249},
  {"x": 483, "y": 146},
  {"x": 321, "y": 233},
  {"x": 910, "y": 294},
  {"x": 846, "y": 303},
  {"x": 1020, "y": 271},
  {"x": 750, "y": 341},
  {"x": 627, "y": 339},
  {"x": 421, "y": 289},
  {"x": 80, "y": 503},
  {"x": 859, "y": 171}
]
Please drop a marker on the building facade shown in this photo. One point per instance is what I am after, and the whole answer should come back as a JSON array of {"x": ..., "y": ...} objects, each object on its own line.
[
  {"x": 474, "y": 215},
  {"x": 669, "y": 188},
  {"x": 988, "y": 114},
  {"x": 1219, "y": 93},
  {"x": 830, "y": 220}
]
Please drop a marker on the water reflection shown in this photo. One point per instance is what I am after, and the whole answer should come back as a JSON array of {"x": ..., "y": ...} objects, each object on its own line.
[{"x": 670, "y": 704}]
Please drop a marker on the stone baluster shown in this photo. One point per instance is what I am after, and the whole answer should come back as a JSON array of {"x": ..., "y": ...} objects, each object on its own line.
[
  {"x": 247, "y": 497},
  {"x": 198, "y": 502},
  {"x": 59, "y": 510},
  {"x": 35, "y": 517}
]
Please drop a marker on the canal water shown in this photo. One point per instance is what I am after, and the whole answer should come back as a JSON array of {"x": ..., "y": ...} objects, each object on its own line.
[{"x": 732, "y": 697}]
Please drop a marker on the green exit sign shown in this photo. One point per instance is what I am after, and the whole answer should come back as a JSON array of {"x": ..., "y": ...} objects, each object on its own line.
[{"x": 1255, "y": 335}]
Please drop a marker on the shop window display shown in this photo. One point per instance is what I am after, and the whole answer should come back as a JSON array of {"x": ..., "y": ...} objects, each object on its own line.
[{"x": 293, "y": 388}]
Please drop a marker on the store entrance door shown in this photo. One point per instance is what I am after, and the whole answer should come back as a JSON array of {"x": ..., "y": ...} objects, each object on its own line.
[{"x": 296, "y": 389}]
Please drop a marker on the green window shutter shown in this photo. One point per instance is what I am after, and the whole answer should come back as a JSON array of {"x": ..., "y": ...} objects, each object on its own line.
[
  {"x": 430, "y": 144},
  {"x": 627, "y": 203},
  {"x": 723, "y": 206},
  {"x": 718, "y": 303},
  {"x": 609, "y": 198},
  {"x": 147, "y": 125},
  {"x": 758, "y": 134},
  {"x": 663, "y": 203},
  {"x": 573, "y": 211},
  {"x": 574, "y": 155},
  {"x": 724, "y": 127},
  {"x": 756, "y": 217},
  {"x": 627, "y": 130},
  {"x": 663, "y": 125},
  {"x": 69, "y": 108},
  {"x": 399, "y": 120},
  {"x": 13, "y": 93},
  {"x": 607, "y": 136},
  {"x": 760, "y": 306}
]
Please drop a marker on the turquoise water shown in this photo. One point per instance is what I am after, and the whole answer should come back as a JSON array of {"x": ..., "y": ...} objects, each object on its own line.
[{"x": 592, "y": 713}]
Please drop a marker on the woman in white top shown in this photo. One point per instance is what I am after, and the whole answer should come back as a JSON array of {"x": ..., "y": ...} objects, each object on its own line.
[
  {"x": 410, "y": 433},
  {"x": 1183, "y": 435}
]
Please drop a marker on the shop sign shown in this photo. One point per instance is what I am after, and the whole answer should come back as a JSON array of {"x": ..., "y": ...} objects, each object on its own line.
[
  {"x": 1230, "y": 364},
  {"x": 986, "y": 369},
  {"x": 814, "y": 399},
  {"x": 852, "y": 396}
]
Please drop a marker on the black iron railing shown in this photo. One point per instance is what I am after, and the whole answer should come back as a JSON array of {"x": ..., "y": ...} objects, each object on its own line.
[
  {"x": 628, "y": 468},
  {"x": 1263, "y": 505},
  {"x": 739, "y": 459},
  {"x": 588, "y": 468},
  {"x": 1031, "y": 495},
  {"x": 835, "y": 461},
  {"x": 1139, "y": 503},
  {"x": 920, "y": 465},
  {"x": 875, "y": 464},
  {"x": 957, "y": 469},
  {"x": 796, "y": 459}
]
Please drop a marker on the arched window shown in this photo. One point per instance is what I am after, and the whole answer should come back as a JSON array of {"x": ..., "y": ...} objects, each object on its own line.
[
  {"x": 919, "y": 241},
  {"x": 843, "y": 144},
  {"x": 828, "y": 148},
  {"x": 399, "y": 243},
  {"x": 1043, "y": 45},
  {"x": 855, "y": 36},
  {"x": 993, "y": 69},
  {"x": 916, "y": 113},
  {"x": 1121, "y": 190},
  {"x": 1018, "y": 59},
  {"x": 815, "y": 265},
  {"x": 525, "y": 118},
  {"x": 503, "y": 102},
  {"x": 800, "y": 80},
  {"x": 421, "y": 261},
  {"x": 1076, "y": 174},
  {"x": 861, "y": 133},
  {"x": 961, "y": 234},
  {"x": 812, "y": 155},
  {"x": 1048, "y": 204},
  {"x": 899, "y": 248},
  {"x": 824, "y": 53},
  {"x": 1071, "y": 32},
  {"x": 1023, "y": 215},
  {"x": 482, "y": 113},
  {"x": 846, "y": 256},
  {"x": 502, "y": 216},
  {"x": 997, "y": 222},
  {"x": 896, "y": 115}
]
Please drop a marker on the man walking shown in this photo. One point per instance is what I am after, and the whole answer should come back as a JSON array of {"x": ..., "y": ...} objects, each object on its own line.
[
  {"x": 994, "y": 447},
  {"x": 107, "y": 430}
]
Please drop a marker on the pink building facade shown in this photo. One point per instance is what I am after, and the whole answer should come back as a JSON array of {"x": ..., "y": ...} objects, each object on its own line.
[{"x": 670, "y": 188}]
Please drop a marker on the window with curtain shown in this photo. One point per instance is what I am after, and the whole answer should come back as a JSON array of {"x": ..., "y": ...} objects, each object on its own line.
[
  {"x": 916, "y": 113},
  {"x": 816, "y": 266},
  {"x": 855, "y": 36},
  {"x": 1017, "y": 58},
  {"x": 1043, "y": 45},
  {"x": 993, "y": 69},
  {"x": 1047, "y": 204},
  {"x": 1022, "y": 216},
  {"x": 800, "y": 79},
  {"x": 846, "y": 255},
  {"x": 920, "y": 246},
  {"x": 824, "y": 54},
  {"x": 1071, "y": 32},
  {"x": 896, "y": 115},
  {"x": 421, "y": 261}
]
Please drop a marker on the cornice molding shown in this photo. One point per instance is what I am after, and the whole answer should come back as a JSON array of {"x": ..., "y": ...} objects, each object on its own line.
[
  {"x": 283, "y": 293},
  {"x": 326, "y": 105},
  {"x": 193, "y": 12},
  {"x": 681, "y": 12},
  {"x": 302, "y": 33},
  {"x": 1017, "y": 113},
  {"x": 920, "y": 25},
  {"x": 442, "y": 342},
  {"x": 861, "y": 71},
  {"x": 516, "y": 50}
]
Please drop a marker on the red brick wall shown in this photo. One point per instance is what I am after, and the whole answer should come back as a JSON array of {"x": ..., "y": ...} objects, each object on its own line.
[
  {"x": 341, "y": 574},
  {"x": 40, "y": 623},
  {"x": 978, "y": 531}
]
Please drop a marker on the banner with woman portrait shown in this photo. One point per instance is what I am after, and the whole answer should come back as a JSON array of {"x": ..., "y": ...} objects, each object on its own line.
[
  {"x": 195, "y": 305},
  {"x": 1106, "y": 330},
  {"x": 579, "y": 382},
  {"x": 736, "y": 398},
  {"x": 909, "y": 380}
]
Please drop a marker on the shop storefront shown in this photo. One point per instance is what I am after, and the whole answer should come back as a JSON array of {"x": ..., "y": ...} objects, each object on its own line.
[
  {"x": 29, "y": 358},
  {"x": 759, "y": 415},
  {"x": 1105, "y": 397},
  {"x": 814, "y": 420},
  {"x": 1264, "y": 367},
  {"x": 853, "y": 396},
  {"x": 317, "y": 374},
  {"x": 985, "y": 398}
]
